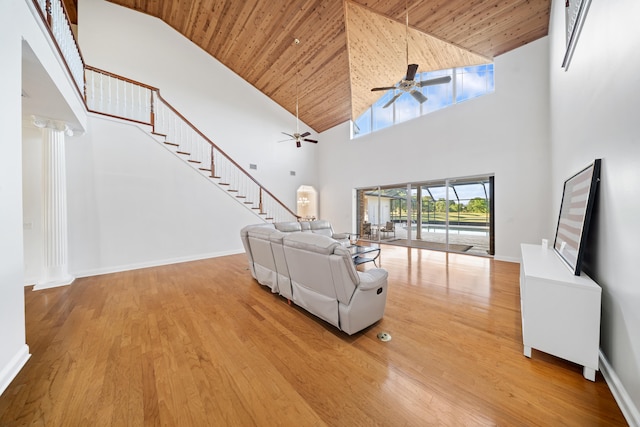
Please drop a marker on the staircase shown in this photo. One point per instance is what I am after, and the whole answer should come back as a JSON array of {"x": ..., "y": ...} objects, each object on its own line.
[{"x": 115, "y": 96}]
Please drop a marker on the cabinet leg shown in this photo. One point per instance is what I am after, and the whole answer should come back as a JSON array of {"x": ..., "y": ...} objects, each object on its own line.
[
  {"x": 589, "y": 373},
  {"x": 527, "y": 351}
]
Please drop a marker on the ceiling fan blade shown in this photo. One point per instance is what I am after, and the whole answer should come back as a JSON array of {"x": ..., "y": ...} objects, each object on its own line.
[
  {"x": 305, "y": 134},
  {"x": 382, "y": 88},
  {"x": 418, "y": 96},
  {"x": 286, "y": 140},
  {"x": 298, "y": 143},
  {"x": 310, "y": 140},
  {"x": 411, "y": 71},
  {"x": 437, "y": 81},
  {"x": 392, "y": 100},
  {"x": 288, "y": 134}
]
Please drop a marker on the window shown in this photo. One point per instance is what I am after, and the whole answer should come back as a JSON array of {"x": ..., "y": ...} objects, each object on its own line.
[{"x": 466, "y": 83}]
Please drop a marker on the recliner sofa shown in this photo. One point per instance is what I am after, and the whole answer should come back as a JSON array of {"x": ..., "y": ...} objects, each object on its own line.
[{"x": 317, "y": 273}]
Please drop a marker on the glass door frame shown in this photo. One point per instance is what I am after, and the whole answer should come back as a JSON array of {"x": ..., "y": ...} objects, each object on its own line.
[{"x": 414, "y": 191}]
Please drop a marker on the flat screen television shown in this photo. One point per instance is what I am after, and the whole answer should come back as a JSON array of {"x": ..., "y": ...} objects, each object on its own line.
[{"x": 578, "y": 197}]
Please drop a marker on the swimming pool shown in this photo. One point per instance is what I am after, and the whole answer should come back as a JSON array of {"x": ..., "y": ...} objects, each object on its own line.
[{"x": 468, "y": 230}]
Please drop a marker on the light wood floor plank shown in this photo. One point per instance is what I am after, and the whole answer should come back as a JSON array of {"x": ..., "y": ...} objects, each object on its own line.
[{"x": 202, "y": 343}]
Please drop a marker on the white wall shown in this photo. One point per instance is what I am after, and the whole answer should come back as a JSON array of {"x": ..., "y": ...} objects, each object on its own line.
[
  {"x": 594, "y": 110},
  {"x": 17, "y": 25},
  {"x": 132, "y": 203},
  {"x": 12, "y": 333},
  {"x": 32, "y": 202},
  {"x": 242, "y": 121},
  {"x": 505, "y": 133}
]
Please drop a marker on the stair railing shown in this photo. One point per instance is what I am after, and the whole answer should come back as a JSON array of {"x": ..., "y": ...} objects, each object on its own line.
[{"x": 116, "y": 96}]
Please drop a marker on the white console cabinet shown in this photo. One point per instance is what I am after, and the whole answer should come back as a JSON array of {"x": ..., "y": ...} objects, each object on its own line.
[{"x": 560, "y": 311}]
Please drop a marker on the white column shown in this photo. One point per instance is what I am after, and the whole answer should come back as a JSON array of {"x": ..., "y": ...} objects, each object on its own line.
[{"x": 55, "y": 270}]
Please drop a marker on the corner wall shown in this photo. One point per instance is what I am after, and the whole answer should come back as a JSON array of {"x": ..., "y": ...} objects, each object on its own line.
[
  {"x": 505, "y": 133},
  {"x": 594, "y": 114},
  {"x": 13, "y": 349},
  {"x": 18, "y": 26}
]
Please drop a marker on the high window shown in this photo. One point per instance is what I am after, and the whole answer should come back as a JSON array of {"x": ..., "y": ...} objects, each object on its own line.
[{"x": 466, "y": 83}]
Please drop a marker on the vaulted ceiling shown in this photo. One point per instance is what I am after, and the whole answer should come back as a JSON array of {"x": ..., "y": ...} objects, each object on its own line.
[{"x": 346, "y": 46}]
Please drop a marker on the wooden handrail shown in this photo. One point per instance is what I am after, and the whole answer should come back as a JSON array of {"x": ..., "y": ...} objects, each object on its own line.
[
  {"x": 119, "y": 77},
  {"x": 195, "y": 129}
]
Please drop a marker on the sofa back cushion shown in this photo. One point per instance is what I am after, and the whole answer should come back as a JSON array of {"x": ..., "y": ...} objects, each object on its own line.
[
  {"x": 282, "y": 270},
  {"x": 306, "y": 227},
  {"x": 322, "y": 227},
  {"x": 288, "y": 227},
  {"x": 308, "y": 258}
]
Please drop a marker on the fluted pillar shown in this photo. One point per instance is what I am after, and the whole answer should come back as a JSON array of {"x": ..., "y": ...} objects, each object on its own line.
[{"x": 55, "y": 270}]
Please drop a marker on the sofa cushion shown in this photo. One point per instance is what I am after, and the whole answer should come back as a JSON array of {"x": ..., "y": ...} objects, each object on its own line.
[
  {"x": 306, "y": 227},
  {"x": 282, "y": 270},
  {"x": 322, "y": 227},
  {"x": 311, "y": 242},
  {"x": 288, "y": 227}
]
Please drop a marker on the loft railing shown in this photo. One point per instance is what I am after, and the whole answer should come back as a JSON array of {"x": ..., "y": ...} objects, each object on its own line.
[
  {"x": 116, "y": 96},
  {"x": 119, "y": 97},
  {"x": 56, "y": 18}
]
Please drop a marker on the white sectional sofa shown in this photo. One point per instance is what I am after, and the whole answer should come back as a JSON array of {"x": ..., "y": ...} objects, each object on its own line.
[{"x": 316, "y": 272}]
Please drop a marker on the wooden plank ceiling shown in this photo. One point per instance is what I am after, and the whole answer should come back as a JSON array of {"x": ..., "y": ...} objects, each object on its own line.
[{"x": 341, "y": 55}]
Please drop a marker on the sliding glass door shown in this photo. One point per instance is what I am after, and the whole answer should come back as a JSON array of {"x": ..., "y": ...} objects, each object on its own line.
[{"x": 454, "y": 214}]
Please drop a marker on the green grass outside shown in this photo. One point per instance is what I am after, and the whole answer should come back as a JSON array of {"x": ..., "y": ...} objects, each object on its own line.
[{"x": 466, "y": 217}]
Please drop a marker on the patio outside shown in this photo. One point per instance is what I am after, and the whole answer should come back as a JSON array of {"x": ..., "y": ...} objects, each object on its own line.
[{"x": 454, "y": 215}]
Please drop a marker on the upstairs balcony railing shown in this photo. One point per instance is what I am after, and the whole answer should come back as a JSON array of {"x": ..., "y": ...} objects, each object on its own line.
[{"x": 116, "y": 96}]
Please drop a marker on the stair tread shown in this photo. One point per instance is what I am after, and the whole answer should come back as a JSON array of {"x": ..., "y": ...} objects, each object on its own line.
[{"x": 172, "y": 143}]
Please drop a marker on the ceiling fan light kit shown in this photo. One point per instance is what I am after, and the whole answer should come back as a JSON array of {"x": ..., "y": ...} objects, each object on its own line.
[
  {"x": 409, "y": 84},
  {"x": 297, "y": 136}
]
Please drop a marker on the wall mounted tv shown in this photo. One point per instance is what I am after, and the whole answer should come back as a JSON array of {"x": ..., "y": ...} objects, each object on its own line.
[{"x": 578, "y": 198}]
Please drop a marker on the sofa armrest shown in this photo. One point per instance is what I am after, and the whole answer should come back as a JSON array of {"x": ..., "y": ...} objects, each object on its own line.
[
  {"x": 340, "y": 236},
  {"x": 372, "y": 279}
]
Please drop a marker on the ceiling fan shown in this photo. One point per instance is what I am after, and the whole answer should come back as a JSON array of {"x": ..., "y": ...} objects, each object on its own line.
[
  {"x": 297, "y": 136},
  {"x": 408, "y": 83}
]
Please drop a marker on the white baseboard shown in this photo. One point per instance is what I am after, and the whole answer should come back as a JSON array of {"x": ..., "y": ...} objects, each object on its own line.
[
  {"x": 9, "y": 372},
  {"x": 506, "y": 259},
  {"x": 157, "y": 263},
  {"x": 628, "y": 408}
]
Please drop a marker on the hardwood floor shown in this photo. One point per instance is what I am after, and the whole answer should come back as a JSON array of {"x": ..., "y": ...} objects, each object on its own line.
[{"x": 202, "y": 343}]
